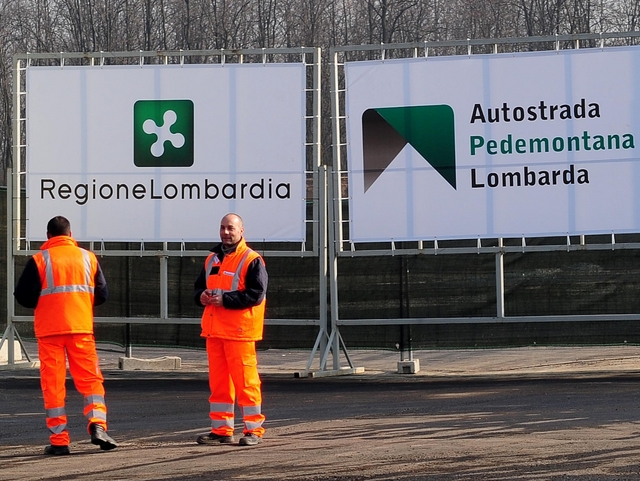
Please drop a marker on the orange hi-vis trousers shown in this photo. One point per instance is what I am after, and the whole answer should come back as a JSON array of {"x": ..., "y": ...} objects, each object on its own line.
[
  {"x": 233, "y": 372},
  {"x": 80, "y": 351}
]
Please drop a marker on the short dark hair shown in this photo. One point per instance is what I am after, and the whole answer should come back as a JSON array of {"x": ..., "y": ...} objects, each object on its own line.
[{"x": 58, "y": 226}]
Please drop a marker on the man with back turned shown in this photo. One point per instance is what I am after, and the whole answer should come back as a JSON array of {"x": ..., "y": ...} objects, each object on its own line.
[{"x": 63, "y": 282}]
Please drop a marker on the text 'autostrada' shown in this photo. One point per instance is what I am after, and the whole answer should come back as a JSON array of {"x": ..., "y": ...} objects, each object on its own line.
[{"x": 511, "y": 144}]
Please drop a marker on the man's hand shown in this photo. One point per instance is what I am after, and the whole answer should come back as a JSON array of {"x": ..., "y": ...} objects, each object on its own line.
[{"x": 208, "y": 298}]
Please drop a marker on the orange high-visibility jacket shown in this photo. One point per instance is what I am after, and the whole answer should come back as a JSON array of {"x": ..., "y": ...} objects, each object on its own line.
[
  {"x": 234, "y": 324},
  {"x": 67, "y": 274}
]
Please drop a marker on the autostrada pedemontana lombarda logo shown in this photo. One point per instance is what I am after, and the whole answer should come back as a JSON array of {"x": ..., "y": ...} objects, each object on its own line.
[{"x": 430, "y": 131}]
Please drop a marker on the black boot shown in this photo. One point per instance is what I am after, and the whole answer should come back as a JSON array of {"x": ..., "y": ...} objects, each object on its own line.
[
  {"x": 213, "y": 438},
  {"x": 100, "y": 437},
  {"x": 54, "y": 450}
]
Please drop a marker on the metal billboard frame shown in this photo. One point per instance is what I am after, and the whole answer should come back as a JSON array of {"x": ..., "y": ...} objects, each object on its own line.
[
  {"x": 315, "y": 246},
  {"x": 341, "y": 246}
]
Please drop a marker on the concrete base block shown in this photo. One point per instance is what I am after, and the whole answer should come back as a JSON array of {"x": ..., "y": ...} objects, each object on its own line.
[
  {"x": 166, "y": 363},
  {"x": 4, "y": 351},
  {"x": 343, "y": 371},
  {"x": 409, "y": 367}
]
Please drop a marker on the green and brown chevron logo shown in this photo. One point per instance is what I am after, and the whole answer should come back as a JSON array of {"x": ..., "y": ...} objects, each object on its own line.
[{"x": 429, "y": 129}]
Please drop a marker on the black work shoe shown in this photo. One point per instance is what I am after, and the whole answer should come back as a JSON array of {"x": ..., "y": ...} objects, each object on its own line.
[
  {"x": 54, "y": 450},
  {"x": 250, "y": 440},
  {"x": 100, "y": 437},
  {"x": 213, "y": 438}
]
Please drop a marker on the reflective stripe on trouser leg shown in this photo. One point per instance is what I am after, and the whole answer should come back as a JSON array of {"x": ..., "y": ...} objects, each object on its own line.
[
  {"x": 243, "y": 367},
  {"x": 253, "y": 419},
  {"x": 53, "y": 376},
  {"x": 221, "y": 418},
  {"x": 222, "y": 398},
  {"x": 86, "y": 374},
  {"x": 57, "y": 424},
  {"x": 95, "y": 410}
]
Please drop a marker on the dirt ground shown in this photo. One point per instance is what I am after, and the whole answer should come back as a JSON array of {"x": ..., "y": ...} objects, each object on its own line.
[{"x": 525, "y": 414}]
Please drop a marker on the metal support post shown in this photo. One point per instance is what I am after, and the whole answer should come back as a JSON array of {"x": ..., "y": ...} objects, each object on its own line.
[
  {"x": 164, "y": 283},
  {"x": 500, "y": 280}
]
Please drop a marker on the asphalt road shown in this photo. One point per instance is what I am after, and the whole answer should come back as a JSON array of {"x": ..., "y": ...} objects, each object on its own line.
[{"x": 559, "y": 424}]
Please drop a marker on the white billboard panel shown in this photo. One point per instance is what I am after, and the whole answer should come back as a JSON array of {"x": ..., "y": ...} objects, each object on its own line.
[
  {"x": 161, "y": 153},
  {"x": 505, "y": 145}
]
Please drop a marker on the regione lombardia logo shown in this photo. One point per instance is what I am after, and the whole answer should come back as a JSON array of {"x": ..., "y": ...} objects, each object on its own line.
[
  {"x": 163, "y": 133},
  {"x": 429, "y": 129}
]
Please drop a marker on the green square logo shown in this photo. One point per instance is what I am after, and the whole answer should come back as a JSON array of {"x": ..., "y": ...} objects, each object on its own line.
[{"x": 163, "y": 133}]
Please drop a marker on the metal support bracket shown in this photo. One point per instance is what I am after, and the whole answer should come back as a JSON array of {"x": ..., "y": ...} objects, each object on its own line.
[{"x": 10, "y": 335}]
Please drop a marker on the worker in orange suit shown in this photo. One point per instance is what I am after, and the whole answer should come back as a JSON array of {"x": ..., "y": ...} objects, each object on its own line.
[
  {"x": 63, "y": 282},
  {"x": 231, "y": 287}
]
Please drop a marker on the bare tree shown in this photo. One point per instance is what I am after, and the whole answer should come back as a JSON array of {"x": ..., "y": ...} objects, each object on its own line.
[
  {"x": 621, "y": 16},
  {"x": 130, "y": 25}
]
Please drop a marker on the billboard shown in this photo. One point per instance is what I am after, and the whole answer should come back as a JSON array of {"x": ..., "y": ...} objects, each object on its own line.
[
  {"x": 500, "y": 145},
  {"x": 162, "y": 152}
]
